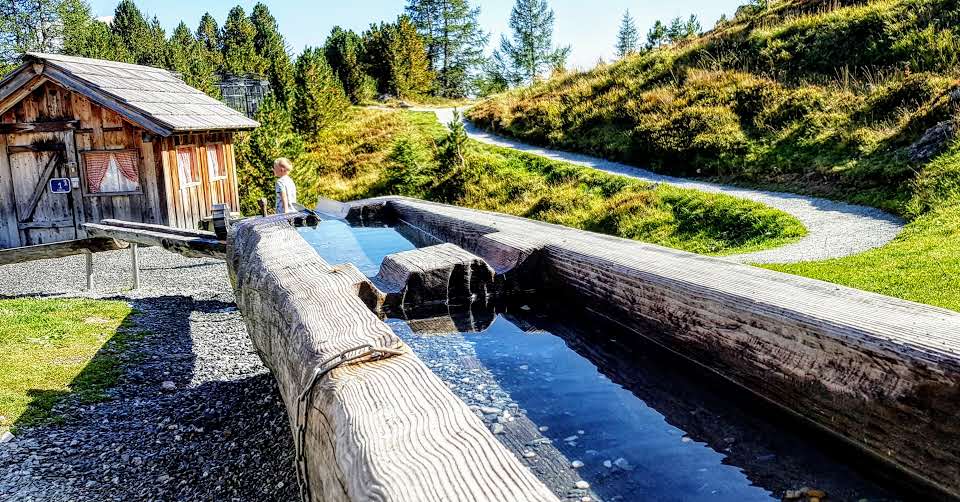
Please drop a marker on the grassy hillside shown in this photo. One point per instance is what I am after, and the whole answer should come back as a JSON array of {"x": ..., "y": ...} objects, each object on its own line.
[
  {"x": 821, "y": 97},
  {"x": 853, "y": 100},
  {"x": 391, "y": 152}
]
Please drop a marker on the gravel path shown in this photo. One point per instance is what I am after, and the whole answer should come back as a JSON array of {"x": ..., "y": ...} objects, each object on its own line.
[
  {"x": 835, "y": 229},
  {"x": 221, "y": 434}
]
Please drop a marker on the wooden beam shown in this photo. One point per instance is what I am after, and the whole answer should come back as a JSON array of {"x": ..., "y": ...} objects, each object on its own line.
[
  {"x": 193, "y": 247},
  {"x": 26, "y": 225},
  {"x": 59, "y": 250},
  {"x": 52, "y": 126},
  {"x": 40, "y": 147},
  {"x": 136, "y": 225}
]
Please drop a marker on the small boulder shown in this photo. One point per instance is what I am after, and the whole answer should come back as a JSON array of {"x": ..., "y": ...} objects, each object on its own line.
[
  {"x": 168, "y": 386},
  {"x": 934, "y": 141}
]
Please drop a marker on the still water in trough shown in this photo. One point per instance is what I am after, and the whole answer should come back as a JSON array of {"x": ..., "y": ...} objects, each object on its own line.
[{"x": 578, "y": 398}]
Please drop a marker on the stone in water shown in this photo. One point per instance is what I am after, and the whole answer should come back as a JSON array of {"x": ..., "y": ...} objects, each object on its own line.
[
  {"x": 582, "y": 485},
  {"x": 576, "y": 464}
]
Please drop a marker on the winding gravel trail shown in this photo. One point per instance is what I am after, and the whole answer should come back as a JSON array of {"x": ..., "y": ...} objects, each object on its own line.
[{"x": 835, "y": 229}]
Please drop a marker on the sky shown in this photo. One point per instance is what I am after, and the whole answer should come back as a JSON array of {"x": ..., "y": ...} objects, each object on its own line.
[{"x": 589, "y": 26}]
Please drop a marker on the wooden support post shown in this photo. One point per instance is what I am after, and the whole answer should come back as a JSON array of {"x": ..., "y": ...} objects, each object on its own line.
[
  {"x": 135, "y": 264},
  {"x": 263, "y": 206},
  {"x": 88, "y": 257}
]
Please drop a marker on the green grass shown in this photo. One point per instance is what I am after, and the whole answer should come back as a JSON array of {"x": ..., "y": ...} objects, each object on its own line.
[
  {"x": 819, "y": 99},
  {"x": 51, "y": 349},
  {"x": 380, "y": 153},
  {"x": 922, "y": 264}
]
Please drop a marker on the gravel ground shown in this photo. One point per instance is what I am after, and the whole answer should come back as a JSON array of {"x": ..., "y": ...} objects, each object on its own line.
[
  {"x": 221, "y": 434},
  {"x": 835, "y": 229}
]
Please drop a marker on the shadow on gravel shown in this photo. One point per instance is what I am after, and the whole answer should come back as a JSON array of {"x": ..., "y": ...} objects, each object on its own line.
[{"x": 219, "y": 433}]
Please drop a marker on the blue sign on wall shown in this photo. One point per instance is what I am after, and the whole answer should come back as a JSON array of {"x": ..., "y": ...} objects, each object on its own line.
[{"x": 60, "y": 185}]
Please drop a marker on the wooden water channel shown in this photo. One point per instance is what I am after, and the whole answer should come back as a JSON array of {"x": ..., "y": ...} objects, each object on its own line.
[{"x": 372, "y": 422}]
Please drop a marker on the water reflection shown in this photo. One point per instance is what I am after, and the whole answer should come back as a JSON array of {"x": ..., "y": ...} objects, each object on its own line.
[{"x": 644, "y": 425}]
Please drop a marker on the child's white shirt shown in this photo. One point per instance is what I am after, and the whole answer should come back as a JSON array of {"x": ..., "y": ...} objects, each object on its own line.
[{"x": 285, "y": 184}]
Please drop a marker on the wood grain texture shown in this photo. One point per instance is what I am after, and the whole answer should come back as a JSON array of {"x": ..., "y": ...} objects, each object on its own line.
[
  {"x": 194, "y": 247},
  {"x": 882, "y": 373},
  {"x": 384, "y": 430},
  {"x": 435, "y": 275},
  {"x": 59, "y": 250}
]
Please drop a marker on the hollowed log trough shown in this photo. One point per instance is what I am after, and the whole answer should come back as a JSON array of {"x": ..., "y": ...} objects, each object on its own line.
[{"x": 877, "y": 373}]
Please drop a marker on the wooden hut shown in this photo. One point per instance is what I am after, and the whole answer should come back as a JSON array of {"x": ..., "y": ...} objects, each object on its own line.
[{"x": 83, "y": 140}]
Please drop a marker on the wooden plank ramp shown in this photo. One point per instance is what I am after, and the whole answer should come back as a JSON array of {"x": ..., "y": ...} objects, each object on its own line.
[
  {"x": 190, "y": 243},
  {"x": 382, "y": 427},
  {"x": 879, "y": 373},
  {"x": 59, "y": 249}
]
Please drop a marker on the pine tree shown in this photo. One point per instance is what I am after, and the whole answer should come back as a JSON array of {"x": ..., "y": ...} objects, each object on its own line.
[
  {"x": 132, "y": 30},
  {"x": 239, "y": 52},
  {"x": 394, "y": 55},
  {"x": 628, "y": 38},
  {"x": 657, "y": 35},
  {"x": 319, "y": 99},
  {"x": 256, "y": 152},
  {"x": 677, "y": 30},
  {"x": 271, "y": 47},
  {"x": 155, "y": 46},
  {"x": 186, "y": 56},
  {"x": 344, "y": 51},
  {"x": 410, "y": 65},
  {"x": 84, "y": 36},
  {"x": 531, "y": 52},
  {"x": 454, "y": 41},
  {"x": 208, "y": 35},
  {"x": 692, "y": 28}
]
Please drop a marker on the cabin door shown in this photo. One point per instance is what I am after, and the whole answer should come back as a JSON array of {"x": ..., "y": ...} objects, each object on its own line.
[{"x": 43, "y": 175}]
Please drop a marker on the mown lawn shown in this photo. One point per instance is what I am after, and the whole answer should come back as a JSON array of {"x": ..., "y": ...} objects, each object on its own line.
[
  {"x": 922, "y": 264},
  {"x": 378, "y": 152},
  {"x": 54, "y": 348}
]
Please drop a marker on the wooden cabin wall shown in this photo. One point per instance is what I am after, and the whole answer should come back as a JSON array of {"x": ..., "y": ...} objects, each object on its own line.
[
  {"x": 188, "y": 205},
  {"x": 98, "y": 129}
]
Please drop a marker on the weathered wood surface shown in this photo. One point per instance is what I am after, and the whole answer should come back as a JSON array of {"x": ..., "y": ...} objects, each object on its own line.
[
  {"x": 59, "y": 250},
  {"x": 437, "y": 275},
  {"x": 193, "y": 247},
  {"x": 881, "y": 372},
  {"x": 384, "y": 430}
]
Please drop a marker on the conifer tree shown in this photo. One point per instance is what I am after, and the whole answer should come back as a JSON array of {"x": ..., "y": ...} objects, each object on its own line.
[
  {"x": 186, "y": 56},
  {"x": 84, "y": 36},
  {"x": 132, "y": 30},
  {"x": 209, "y": 37},
  {"x": 239, "y": 52},
  {"x": 344, "y": 51},
  {"x": 410, "y": 66},
  {"x": 155, "y": 46},
  {"x": 271, "y": 47},
  {"x": 531, "y": 52},
  {"x": 628, "y": 38},
  {"x": 319, "y": 99},
  {"x": 454, "y": 41},
  {"x": 657, "y": 35}
]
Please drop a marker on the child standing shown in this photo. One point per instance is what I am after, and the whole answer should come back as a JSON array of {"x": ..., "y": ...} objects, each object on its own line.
[{"x": 286, "y": 190}]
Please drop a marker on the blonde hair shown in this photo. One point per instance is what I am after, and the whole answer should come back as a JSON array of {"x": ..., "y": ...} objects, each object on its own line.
[{"x": 284, "y": 163}]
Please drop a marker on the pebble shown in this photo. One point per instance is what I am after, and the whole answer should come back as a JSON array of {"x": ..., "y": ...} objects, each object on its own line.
[
  {"x": 6, "y": 437},
  {"x": 582, "y": 485},
  {"x": 623, "y": 464},
  {"x": 570, "y": 439},
  {"x": 488, "y": 410},
  {"x": 576, "y": 464},
  {"x": 168, "y": 386},
  {"x": 118, "y": 449},
  {"x": 608, "y": 464},
  {"x": 543, "y": 428},
  {"x": 497, "y": 428},
  {"x": 525, "y": 308},
  {"x": 528, "y": 454}
]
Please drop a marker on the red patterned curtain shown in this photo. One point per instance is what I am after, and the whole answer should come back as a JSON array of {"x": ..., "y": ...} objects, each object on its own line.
[
  {"x": 97, "y": 165},
  {"x": 127, "y": 161}
]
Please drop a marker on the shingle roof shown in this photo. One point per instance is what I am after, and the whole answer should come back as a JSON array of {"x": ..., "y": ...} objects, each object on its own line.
[{"x": 154, "y": 98}]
